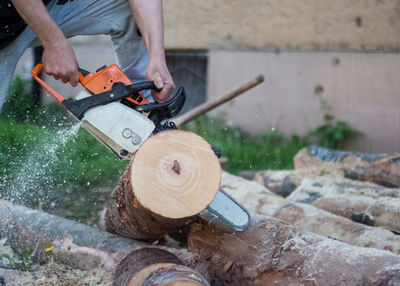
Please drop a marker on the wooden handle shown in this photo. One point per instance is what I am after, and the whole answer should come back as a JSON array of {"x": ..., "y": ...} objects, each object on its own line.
[{"x": 207, "y": 106}]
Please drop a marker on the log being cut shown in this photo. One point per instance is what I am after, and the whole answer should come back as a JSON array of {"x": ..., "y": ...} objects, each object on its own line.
[
  {"x": 173, "y": 177},
  {"x": 271, "y": 252}
]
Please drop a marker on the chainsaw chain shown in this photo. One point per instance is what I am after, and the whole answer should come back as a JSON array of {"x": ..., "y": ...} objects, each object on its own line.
[{"x": 166, "y": 125}]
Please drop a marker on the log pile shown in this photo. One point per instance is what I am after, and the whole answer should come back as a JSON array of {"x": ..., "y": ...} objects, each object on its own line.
[
  {"x": 348, "y": 196},
  {"x": 269, "y": 252},
  {"x": 298, "y": 235},
  {"x": 260, "y": 201}
]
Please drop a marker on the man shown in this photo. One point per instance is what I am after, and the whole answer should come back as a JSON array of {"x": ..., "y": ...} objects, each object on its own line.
[{"x": 135, "y": 28}]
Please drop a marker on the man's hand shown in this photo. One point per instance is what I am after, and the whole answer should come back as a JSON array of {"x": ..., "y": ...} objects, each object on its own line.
[
  {"x": 59, "y": 61},
  {"x": 157, "y": 71}
]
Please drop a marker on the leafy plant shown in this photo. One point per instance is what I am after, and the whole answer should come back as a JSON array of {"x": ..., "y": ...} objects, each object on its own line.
[
  {"x": 332, "y": 135},
  {"x": 25, "y": 262}
]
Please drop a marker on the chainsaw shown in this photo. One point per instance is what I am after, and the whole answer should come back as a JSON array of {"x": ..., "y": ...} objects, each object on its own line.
[{"x": 115, "y": 112}]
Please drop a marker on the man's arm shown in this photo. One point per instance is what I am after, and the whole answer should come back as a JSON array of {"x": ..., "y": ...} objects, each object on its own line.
[
  {"x": 59, "y": 59},
  {"x": 149, "y": 18}
]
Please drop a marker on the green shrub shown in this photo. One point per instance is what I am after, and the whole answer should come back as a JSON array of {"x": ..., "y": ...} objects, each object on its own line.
[{"x": 330, "y": 134}]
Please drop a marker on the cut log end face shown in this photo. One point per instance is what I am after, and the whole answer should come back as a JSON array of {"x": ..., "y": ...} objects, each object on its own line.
[
  {"x": 169, "y": 275},
  {"x": 175, "y": 174},
  {"x": 153, "y": 266}
]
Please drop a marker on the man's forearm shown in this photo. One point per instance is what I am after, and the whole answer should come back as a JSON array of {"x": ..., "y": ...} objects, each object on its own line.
[
  {"x": 149, "y": 18},
  {"x": 36, "y": 16}
]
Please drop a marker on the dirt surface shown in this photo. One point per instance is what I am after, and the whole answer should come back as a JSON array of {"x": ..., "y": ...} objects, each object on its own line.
[{"x": 49, "y": 274}]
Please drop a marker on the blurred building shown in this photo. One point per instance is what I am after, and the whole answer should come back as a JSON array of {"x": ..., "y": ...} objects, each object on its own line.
[{"x": 345, "y": 52}]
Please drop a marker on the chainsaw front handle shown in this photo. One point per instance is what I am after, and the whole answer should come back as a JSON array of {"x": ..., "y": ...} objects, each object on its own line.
[{"x": 35, "y": 73}]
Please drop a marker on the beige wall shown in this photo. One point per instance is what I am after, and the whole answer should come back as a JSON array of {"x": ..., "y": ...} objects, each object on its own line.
[
  {"x": 362, "y": 88},
  {"x": 284, "y": 24}
]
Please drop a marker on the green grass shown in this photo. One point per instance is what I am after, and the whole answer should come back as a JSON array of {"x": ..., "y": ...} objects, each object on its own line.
[{"x": 271, "y": 150}]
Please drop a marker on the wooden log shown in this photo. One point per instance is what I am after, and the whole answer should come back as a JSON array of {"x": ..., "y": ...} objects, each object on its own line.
[
  {"x": 384, "y": 212},
  {"x": 281, "y": 182},
  {"x": 210, "y": 105},
  {"x": 154, "y": 266},
  {"x": 38, "y": 230},
  {"x": 372, "y": 206},
  {"x": 284, "y": 182},
  {"x": 270, "y": 252},
  {"x": 382, "y": 169},
  {"x": 310, "y": 189},
  {"x": 259, "y": 201},
  {"x": 79, "y": 245},
  {"x": 173, "y": 177}
]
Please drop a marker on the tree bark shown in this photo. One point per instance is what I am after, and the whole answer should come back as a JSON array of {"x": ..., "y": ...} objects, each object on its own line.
[
  {"x": 173, "y": 177},
  {"x": 271, "y": 252},
  {"x": 382, "y": 169}
]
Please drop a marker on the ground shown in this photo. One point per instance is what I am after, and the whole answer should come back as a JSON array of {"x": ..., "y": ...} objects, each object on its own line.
[{"x": 50, "y": 274}]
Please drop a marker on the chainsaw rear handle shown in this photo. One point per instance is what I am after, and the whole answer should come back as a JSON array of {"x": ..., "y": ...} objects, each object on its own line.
[{"x": 165, "y": 110}]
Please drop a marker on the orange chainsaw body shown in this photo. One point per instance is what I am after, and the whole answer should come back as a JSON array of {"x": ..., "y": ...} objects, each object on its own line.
[{"x": 104, "y": 79}]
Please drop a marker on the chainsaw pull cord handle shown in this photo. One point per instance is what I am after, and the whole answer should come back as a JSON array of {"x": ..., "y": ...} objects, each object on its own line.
[{"x": 35, "y": 73}]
